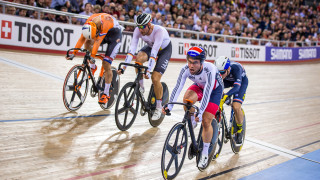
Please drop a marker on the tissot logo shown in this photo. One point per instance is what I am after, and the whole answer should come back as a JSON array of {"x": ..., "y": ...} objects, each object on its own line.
[
  {"x": 246, "y": 53},
  {"x": 6, "y": 29}
]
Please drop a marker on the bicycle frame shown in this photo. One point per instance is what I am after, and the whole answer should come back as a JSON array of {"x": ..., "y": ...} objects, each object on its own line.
[
  {"x": 187, "y": 119},
  {"x": 227, "y": 124},
  {"x": 86, "y": 58},
  {"x": 139, "y": 67}
]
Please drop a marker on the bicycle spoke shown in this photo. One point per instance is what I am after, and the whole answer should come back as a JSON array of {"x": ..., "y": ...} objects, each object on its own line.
[
  {"x": 132, "y": 110},
  {"x": 125, "y": 118},
  {"x": 69, "y": 88},
  {"x": 80, "y": 96},
  {"x": 75, "y": 78},
  {"x": 170, "y": 149},
  {"x": 122, "y": 110},
  {"x": 176, "y": 163},
  {"x": 170, "y": 162}
]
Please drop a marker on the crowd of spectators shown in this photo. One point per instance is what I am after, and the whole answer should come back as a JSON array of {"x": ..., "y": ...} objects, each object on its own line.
[{"x": 267, "y": 19}]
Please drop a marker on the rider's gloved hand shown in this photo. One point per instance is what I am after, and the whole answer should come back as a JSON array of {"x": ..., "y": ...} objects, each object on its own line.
[
  {"x": 147, "y": 75},
  {"x": 70, "y": 57},
  {"x": 224, "y": 98},
  {"x": 198, "y": 118},
  {"x": 92, "y": 60},
  {"x": 166, "y": 111}
]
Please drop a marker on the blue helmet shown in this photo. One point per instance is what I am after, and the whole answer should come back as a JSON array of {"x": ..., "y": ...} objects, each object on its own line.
[{"x": 197, "y": 52}]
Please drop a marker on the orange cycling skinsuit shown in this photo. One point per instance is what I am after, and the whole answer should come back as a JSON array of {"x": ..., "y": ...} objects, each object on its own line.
[{"x": 100, "y": 29}]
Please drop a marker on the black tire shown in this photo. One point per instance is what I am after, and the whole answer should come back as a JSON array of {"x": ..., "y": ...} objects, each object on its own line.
[
  {"x": 212, "y": 147},
  {"x": 237, "y": 148},
  {"x": 114, "y": 89},
  {"x": 75, "y": 88},
  {"x": 152, "y": 103},
  {"x": 174, "y": 149},
  {"x": 123, "y": 107},
  {"x": 221, "y": 131}
]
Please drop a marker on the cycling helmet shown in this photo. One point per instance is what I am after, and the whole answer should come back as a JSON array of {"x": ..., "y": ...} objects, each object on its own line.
[
  {"x": 197, "y": 52},
  {"x": 143, "y": 19},
  {"x": 89, "y": 30},
  {"x": 222, "y": 63}
]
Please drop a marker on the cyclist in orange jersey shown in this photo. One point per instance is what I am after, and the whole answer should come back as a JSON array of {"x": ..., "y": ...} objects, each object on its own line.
[{"x": 100, "y": 29}]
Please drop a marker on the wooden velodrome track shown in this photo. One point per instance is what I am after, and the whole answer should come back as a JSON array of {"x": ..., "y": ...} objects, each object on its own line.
[{"x": 40, "y": 139}]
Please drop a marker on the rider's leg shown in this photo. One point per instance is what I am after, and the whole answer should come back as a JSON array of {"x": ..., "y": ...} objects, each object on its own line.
[
  {"x": 158, "y": 89},
  {"x": 191, "y": 95},
  {"x": 207, "y": 131},
  {"x": 107, "y": 76},
  {"x": 238, "y": 114},
  {"x": 142, "y": 57}
]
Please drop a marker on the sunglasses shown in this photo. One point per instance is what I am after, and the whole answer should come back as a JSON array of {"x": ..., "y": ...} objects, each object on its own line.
[
  {"x": 142, "y": 27},
  {"x": 222, "y": 72}
]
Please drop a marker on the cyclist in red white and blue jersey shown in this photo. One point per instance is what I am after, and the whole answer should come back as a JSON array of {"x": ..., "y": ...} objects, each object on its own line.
[
  {"x": 207, "y": 88},
  {"x": 234, "y": 75}
]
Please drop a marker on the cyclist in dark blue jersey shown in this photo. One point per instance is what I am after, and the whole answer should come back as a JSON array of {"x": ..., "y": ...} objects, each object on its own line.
[{"x": 234, "y": 75}]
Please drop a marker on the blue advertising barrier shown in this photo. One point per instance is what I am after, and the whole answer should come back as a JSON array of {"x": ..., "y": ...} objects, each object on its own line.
[{"x": 292, "y": 54}]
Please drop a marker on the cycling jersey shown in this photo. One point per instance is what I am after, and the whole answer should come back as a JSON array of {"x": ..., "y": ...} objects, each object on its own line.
[
  {"x": 107, "y": 22},
  {"x": 209, "y": 80},
  {"x": 238, "y": 79},
  {"x": 157, "y": 40}
]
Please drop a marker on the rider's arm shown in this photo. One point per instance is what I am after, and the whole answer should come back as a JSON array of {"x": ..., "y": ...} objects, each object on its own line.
[
  {"x": 179, "y": 85},
  {"x": 207, "y": 90},
  {"x": 133, "y": 46},
  {"x": 237, "y": 84},
  {"x": 155, "y": 49},
  {"x": 96, "y": 45},
  {"x": 79, "y": 44}
]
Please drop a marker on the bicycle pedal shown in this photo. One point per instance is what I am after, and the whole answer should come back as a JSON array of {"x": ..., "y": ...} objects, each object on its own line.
[{"x": 142, "y": 112}]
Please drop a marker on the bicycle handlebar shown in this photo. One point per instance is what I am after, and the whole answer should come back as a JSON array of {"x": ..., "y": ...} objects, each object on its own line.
[
  {"x": 185, "y": 104},
  {"x": 88, "y": 53},
  {"x": 133, "y": 65}
]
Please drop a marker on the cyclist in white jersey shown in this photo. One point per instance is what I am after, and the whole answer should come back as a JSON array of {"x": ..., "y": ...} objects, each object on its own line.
[
  {"x": 158, "y": 45},
  {"x": 207, "y": 88}
]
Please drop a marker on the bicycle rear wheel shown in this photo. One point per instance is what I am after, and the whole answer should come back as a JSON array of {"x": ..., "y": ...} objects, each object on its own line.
[
  {"x": 237, "y": 148},
  {"x": 174, "y": 151},
  {"x": 75, "y": 88},
  {"x": 126, "y": 103},
  {"x": 114, "y": 89},
  {"x": 152, "y": 103}
]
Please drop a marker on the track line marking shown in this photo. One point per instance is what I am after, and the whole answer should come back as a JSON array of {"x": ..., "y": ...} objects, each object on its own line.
[{"x": 31, "y": 69}]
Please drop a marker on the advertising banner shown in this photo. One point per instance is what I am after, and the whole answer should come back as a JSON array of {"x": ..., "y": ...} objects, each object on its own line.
[
  {"x": 235, "y": 52},
  {"x": 292, "y": 54}
]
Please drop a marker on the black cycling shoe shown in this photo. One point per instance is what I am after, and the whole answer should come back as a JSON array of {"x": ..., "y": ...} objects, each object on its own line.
[{"x": 239, "y": 138}]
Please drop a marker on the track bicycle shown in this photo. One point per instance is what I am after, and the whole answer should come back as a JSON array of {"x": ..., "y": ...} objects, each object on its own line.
[
  {"x": 176, "y": 144},
  {"x": 127, "y": 104},
  {"x": 76, "y": 83},
  {"x": 228, "y": 130}
]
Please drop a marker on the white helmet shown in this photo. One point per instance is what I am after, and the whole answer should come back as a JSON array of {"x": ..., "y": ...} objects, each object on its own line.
[
  {"x": 89, "y": 30},
  {"x": 222, "y": 63}
]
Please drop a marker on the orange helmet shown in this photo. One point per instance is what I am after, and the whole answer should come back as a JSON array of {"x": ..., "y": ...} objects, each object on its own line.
[{"x": 89, "y": 30}]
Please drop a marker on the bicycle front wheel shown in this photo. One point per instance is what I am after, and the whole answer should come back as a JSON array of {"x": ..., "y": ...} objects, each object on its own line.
[
  {"x": 174, "y": 151},
  {"x": 126, "y": 107},
  {"x": 75, "y": 88}
]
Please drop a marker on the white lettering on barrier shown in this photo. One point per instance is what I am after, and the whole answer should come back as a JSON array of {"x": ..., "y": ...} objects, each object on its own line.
[
  {"x": 307, "y": 53},
  {"x": 285, "y": 54}
]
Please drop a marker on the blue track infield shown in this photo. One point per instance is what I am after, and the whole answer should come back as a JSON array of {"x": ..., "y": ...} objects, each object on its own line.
[{"x": 307, "y": 167}]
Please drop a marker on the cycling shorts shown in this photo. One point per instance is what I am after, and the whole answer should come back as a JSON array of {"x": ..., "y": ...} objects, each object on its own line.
[
  {"x": 164, "y": 56},
  {"x": 214, "y": 100},
  {"x": 111, "y": 39}
]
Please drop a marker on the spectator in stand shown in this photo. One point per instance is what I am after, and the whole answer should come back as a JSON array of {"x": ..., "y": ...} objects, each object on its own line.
[
  {"x": 75, "y": 21},
  {"x": 96, "y": 9},
  {"x": 22, "y": 12},
  {"x": 100, "y": 2},
  {"x": 10, "y": 10},
  {"x": 50, "y": 17},
  {"x": 87, "y": 12},
  {"x": 161, "y": 8},
  {"x": 63, "y": 19},
  {"x": 57, "y": 4}
]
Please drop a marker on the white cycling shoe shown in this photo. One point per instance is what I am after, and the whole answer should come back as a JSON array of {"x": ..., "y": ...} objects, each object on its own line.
[
  {"x": 157, "y": 114},
  {"x": 203, "y": 161}
]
